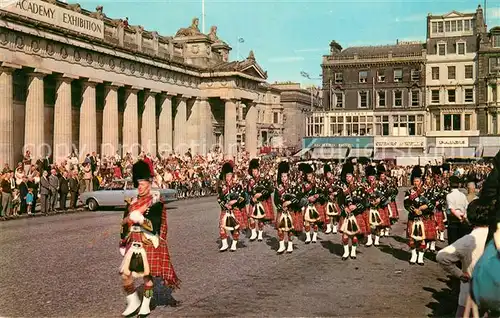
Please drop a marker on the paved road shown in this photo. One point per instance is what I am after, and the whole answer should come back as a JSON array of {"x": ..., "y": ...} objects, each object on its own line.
[{"x": 67, "y": 265}]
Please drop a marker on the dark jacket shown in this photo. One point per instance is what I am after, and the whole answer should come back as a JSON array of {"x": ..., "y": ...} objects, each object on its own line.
[
  {"x": 73, "y": 185},
  {"x": 63, "y": 185},
  {"x": 491, "y": 193}
]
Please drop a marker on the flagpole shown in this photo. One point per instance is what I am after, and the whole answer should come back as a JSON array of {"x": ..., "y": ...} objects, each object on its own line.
[{"x": 203, "y": 16}]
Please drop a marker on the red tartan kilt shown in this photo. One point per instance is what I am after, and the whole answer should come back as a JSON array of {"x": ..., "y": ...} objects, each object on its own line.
[
  {"x": 298, "y": 221},
  {"x": 322, "y": 212},
  {"x": 384, "y": 215},
  {"x": 240, "y": 215},
  {"x": 429, "y": 228},
  {"x": 395, "y": 211},
  {"x": 360, "y": 219},
  {"x": 439, "y": 217},
  {"x": 268, "y": 208}
]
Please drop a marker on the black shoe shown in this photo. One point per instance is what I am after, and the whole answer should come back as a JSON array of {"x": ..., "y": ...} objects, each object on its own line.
[
  {"x": 345, "y": 258},
  {"x": 353, "y": 257}
]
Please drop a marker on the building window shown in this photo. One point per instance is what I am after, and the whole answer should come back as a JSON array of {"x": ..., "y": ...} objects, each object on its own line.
[
  {"x": 469, "y": 71},
  {"x": 339, "y": 100},
  {"x": 496, "y": 41},
  {"x": 398, "y": 99},
  {"x": 434, "y": 27},
  {"x": 459, "y": 25},
  {"x": 276, "y": 118},
  {"x": 441, "y": 49},
  {"x": 469, "y": 95},
  {"x": 337, "y": 125},
  {"x": 494, "y": 63},
  {"x": 318, "y": 126},
  {"x": 339, "y": 78},
  {"x": 381, "y": 99},
  {"x": 435, "y": 96},
  {"x": 494, "y": 122},
  {"x": 415, "y": 75},
  {"x": 415, "y": 98},
  {"x": 381, "y": 76},
  {"x": 440, "y": 27},
  {"x": 451, "y": 72},
  {"x": 467, "y": 24},
  {"x": 451, "y": 96},
  {"x": 447, "y": 26},
  {"x": 454, "y": 26},
  {"x": 461, "y": 48},
  {"x": 382, "y": 125},
  {"x": 363, "y": 99},
  {"x": 407, "y": 125},
  {"x": 398, "y": 75},
  {"x": 363, "y": 76},
  {"x": 358, "y": 125},
  {"x": 452, "y": 122},
  {"x": 435, "y": 73},
  {"x": 467, "y": 120}
]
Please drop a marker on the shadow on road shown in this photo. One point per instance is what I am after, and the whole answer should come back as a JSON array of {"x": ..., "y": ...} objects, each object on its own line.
[
  {"x": 397, "y": 253},
  {"x": 334, "y": 248},
  {"x": 446, "y": 300}
]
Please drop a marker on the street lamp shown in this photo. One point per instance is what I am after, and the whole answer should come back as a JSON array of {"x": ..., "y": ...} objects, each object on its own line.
[{"x": 306, "y": 75}]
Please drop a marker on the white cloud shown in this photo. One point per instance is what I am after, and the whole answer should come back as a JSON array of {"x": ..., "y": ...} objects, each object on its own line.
[
  {"x": 286, "y": 59},
  {"x": 411, "y": 18}
]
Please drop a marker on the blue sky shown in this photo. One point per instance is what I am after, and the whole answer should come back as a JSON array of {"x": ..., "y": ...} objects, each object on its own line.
[{"x": 291, "y": 36}]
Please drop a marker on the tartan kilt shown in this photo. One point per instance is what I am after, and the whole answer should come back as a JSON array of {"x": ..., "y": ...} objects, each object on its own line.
[
  {"x": 395, "y": 211},
  {"x": 429, "y": 228},
  {"x": 268, "y": 208},
  {"x": 322, "y": 212},
  {"x": 158, "y": 259},
  {"x": 298, "y": 221},
  {"x": 364, "y": 229},
  {"x": 439, "y": 217},
  {"x": 384, "y": 215}
]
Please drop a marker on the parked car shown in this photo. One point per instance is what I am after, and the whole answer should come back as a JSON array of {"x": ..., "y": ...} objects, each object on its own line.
[{"x": 116, "y": 194}]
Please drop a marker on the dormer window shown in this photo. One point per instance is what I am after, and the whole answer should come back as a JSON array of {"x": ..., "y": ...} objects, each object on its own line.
[
  {"x": 461, "y": 48},
  {"x": 496, "y": 41}
]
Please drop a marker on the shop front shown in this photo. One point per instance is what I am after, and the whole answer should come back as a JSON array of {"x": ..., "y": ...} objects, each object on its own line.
[
  {"x": 489, "y": 146},
  {"x": 454, "y": 147},
  {"x": 392, "y": 148},
  {"x": 336, "y": 148}
]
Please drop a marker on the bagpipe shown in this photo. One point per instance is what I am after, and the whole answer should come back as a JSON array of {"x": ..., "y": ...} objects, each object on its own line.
[
  {"x": 264, "y": 188},
  {"x": 414, "y": 200}
]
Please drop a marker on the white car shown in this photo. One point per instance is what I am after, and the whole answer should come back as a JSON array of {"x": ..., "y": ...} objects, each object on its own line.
[{"x": 117, "y": 193}]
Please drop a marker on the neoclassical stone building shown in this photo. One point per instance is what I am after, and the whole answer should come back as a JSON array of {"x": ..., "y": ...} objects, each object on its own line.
[{"x": 71, "y": 79}]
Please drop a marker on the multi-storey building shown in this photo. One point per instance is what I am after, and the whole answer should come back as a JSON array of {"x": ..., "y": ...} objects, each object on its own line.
[
  {"x": 452, "y": 45},
  {"x": 488, "y": 92},
  {"x": 72, "y": 79},
  {"x": 375, "y": 91}
]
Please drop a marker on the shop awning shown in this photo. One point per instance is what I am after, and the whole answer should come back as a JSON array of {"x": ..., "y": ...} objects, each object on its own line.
[
  {"x": 329, "y": 153},
  {"x": 490, "y": 151},
  {"x": 360, "y": 153},
  {"x": 393, "y": 153},
  {"x": 454, "y": 152},
  {"x": 302, "y": 152}
]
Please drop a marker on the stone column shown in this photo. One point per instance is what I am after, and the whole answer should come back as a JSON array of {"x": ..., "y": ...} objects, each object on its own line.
[
  {"x": 489, "y": 97},
  {"x": 148, "y": 130},
  {"x": 131, "y": 122},
  {"x": 205, "y": 138},
  {"x": 34, "y": 123},
  {"x": 7, "y": 115},
  {"x": 63, "y": 138},
  {"x": 251, "y": 130},
  {"x": 230, "y": 131},
  {"x": 88, "y": 119},
  {"x": 165, "y": 125},
  {"x": 109, "y": 145},
  {"x": 180, "y": 126},
  {"x": 498, "y": 94},
  {"x": 498, "y": 120},
  {"x": 193, "y": 127}
]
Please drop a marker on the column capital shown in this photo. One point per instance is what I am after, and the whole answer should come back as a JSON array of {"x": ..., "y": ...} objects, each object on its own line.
[
  {"x": 114, "y": 84},
  {"x": 134, "y": 89},
  {"x": 202, "y": 98},
  {"x": 40, "y": 73},
  {"x": 230, "y": 99},
  {"x": 183, "y": 96},
  {"x": 9, "y": 67},
  {"x": 66, "y": 78}
]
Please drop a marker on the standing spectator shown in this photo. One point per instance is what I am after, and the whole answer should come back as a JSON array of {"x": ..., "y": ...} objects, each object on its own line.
[
  {"x": 63, "y": 190},
  {"x": 74, "y": 187},
  {"x": 34, "y": 183},
  {"x": 96, "y": 182},
  {"x": 87, "y": 176},
  {"x": 16, "y": 202},
  {"x": 467, "y": 251},
  {"x": 27, "y": 162},
  {"x": 44, "y": 193},
  {"x": 93, "y": 162},
  {"x": 29, "y": 200},
  {"x": 54, "y": 189},
  {"x": 6, "y": 194},
  {"x": 471, "y": 191},
  {"x": 23, "y": 191},
  {"x": 6, "y": 169},
  {"x": 457, "y": 211}
]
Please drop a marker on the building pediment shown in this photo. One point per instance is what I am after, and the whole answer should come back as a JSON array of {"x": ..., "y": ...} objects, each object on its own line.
[
  {"x": 453, "y": 14},
  {"x": 248, "y": 67}
]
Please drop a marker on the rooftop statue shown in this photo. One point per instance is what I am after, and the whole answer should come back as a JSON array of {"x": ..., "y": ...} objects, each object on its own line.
[
  {"x": 191, "y": 30},
  {"x": 213, "y": 35}
]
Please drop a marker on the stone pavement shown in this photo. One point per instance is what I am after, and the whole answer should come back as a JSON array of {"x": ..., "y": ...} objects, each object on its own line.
[{"x": 67, "y": 265}]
